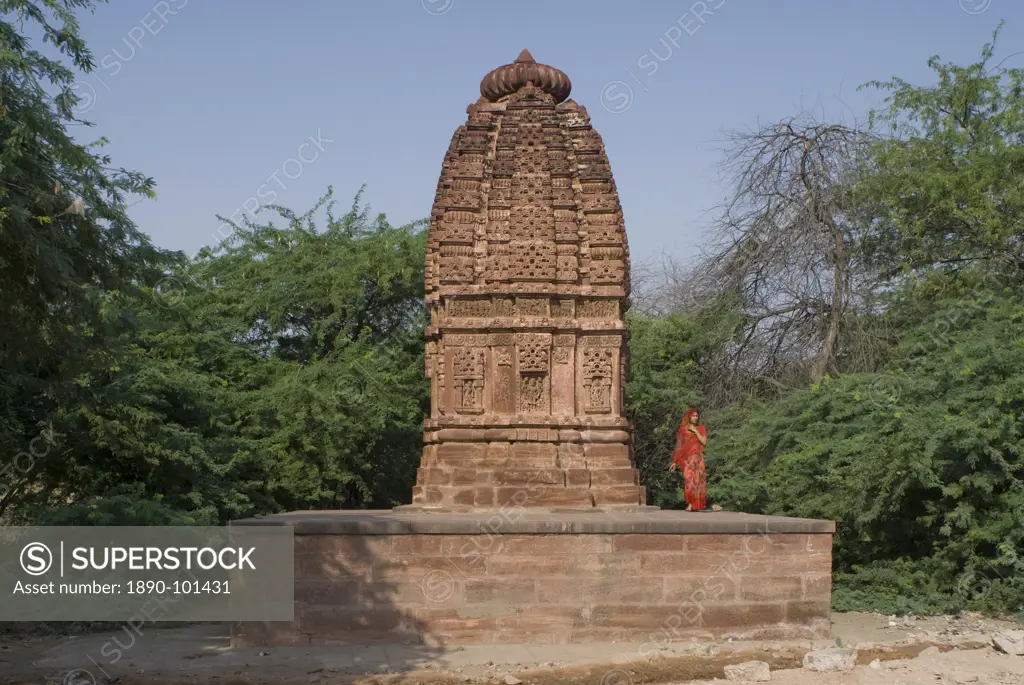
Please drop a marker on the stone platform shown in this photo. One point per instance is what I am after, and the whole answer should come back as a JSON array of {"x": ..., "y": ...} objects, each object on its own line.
[{"x": 541, "y": 577}]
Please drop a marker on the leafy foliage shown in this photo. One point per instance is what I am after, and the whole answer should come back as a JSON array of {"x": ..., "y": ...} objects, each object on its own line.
[
  {"x": 919, "y": 463},
  {"x": 70, "y": 258},
  {"x": 336, "y": 317},
  {"x": 947, "y": 179}
]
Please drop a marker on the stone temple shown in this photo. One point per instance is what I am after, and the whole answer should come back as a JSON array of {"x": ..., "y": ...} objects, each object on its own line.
[
  {"x": 528, "y": 524},
  {"x": 527, "y": 281}
]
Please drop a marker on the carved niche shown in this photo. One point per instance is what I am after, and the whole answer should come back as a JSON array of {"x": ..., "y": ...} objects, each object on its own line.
[
  {"x": 468, "y": 376},
  {"x": 534, "y": 351},
  {"x": 597, "y": 380},
  {"x": 563, "y": 344},
  {"x": 597, "y": 366}
]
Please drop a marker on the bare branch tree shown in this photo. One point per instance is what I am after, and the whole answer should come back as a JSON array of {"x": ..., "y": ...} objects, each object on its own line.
[
  {"x": 788, "y": 245},
  {"x": 784, "y": 256}
]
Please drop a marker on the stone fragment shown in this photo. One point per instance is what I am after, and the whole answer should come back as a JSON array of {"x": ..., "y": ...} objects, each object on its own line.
[
  {"x": 1009, "y": 642},
  {"x": 834, "y": 659},
  {"x": 748, "y": 671}
]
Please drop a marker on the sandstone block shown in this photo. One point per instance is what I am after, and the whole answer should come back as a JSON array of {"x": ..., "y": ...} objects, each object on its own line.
[
  {"x": 819, "y": 543},
  {"x": 742, "y": 616},
  {"x": 459, "y": 451},
  {"x": 805, "y": 611},
  {"x": 545, "y": 496},
  {"x": 699, "y": 589},
  {"x": 433, "y": 476},
  {"x": 521, "y": 450},
  {"x": 606, "y": 451},
  {"x": 650, "y": 543},
  {"x": 748, "y": 671},
  {"x": 528, "y": 477},
  {"x": 833, "y": 659},
  {"x": 577, "y": 478},
  {"x": 622, "y": 476},
  {"x": 771, "y": 588},
  {"x": 590, "y": 590},
  {"x": 484, "y": 496},
  {"x": 556, "y": 545},
  {"x": 818, "y": 586},
  {"x": 506, "y": 591},
  {"x": 416, "y": 544},
  {"x": 465, "y": 498},
  {"x": 616, "y": 494},
  {"x": 464, "y": 476}
]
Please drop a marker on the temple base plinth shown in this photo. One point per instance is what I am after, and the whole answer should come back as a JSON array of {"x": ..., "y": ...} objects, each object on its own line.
[{"x": 534, "y": 577}]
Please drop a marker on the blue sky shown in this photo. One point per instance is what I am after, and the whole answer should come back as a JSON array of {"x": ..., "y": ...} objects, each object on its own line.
[{"x": 212, "y": 98}]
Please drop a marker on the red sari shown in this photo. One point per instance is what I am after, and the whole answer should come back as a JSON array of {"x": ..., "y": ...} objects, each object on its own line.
[{"x": 689, "y": 456}]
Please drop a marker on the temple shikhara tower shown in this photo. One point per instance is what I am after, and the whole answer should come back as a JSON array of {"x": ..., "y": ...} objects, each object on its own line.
[
  {"x": 528, "y": 524},
  {"x": 527, "y": 282}
]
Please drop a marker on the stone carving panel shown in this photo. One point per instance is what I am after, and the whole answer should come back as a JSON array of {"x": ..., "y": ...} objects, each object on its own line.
[
  {"x": 562, "y": 309},
  {"x": 504, "y": 306},
  {"x": 598, "y": 309},
  {"x": 449, "y": 231},
  {"x": 466, "y": 340},
  {"x": 468, "y": 376},
  {"x": 532, "y": 306},
  {"x": 456, "y": 269},
  {"x": 534, "y": 261},
  {"x": 533, "y": 396},
  {"x": 568, "y": 269},
  {"x": 607, "y": 271},
  {"x": 533, "y": 352},
  {"x": 532, "y": 223},
  {"x": 470, "y": 308},
  {"x": 601, "y": 341},
  {"x": 597, "y": 379},
  {"x": 463, "y": 199}
]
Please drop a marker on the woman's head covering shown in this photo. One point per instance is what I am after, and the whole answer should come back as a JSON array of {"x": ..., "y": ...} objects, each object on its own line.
[{"x": 689, "y": 412}]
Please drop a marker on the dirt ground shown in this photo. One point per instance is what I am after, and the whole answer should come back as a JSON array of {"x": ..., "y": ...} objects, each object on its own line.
[{"x": 937, "y": 650}]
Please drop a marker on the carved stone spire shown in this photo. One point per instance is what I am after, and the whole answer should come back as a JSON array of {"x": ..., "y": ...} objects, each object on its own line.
[{"x": 527, "y": 281}]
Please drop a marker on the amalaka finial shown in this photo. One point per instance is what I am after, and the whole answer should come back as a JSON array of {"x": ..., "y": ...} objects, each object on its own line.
[{"x": 507, "y": 79}]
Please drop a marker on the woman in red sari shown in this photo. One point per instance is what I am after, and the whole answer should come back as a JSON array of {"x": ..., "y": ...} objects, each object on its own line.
[{"x": 689, "y": 456}]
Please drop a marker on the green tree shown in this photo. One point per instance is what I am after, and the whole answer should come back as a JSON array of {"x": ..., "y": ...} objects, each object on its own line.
[
  {"x": 920, "y": 465},
  {"x": 667, "y": 356},
  {"x": 337, "y": 317},
  {"x": 69, "y": 254},
  {"x": 945, "y": 189}
]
